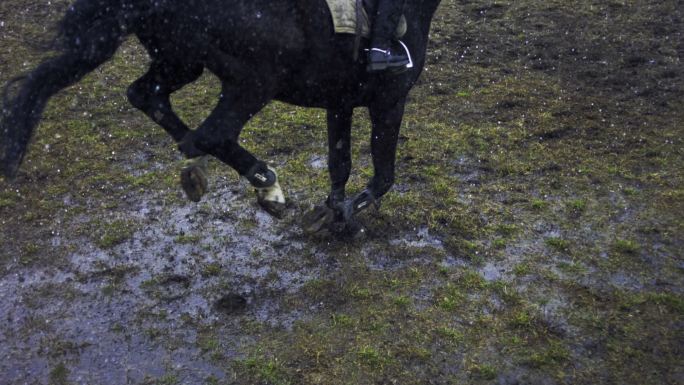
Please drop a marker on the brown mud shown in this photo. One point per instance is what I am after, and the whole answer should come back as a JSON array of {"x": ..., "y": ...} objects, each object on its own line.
[{"x": 534, "y": 235}]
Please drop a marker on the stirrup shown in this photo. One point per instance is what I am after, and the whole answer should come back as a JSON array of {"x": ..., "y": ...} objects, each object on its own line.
[{"x": 383, "y": 59}]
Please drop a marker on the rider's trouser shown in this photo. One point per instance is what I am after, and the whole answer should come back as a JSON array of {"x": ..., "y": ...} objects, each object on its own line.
[{"x": 385, "y": 18}]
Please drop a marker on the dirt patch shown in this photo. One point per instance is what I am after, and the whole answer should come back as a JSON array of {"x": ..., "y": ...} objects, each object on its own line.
[{"x": 534, "y": 235}]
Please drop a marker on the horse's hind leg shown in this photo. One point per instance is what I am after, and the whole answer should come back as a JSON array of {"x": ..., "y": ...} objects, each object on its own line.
[{"x": 151, "y": 94}]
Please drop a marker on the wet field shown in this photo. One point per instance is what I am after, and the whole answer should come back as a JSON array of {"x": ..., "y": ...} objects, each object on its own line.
[{"x": 534, "y": 235}]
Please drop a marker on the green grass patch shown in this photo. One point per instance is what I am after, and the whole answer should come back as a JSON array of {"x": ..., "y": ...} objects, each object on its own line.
[
  {"x": 577, "y": 205},
  {"x": 186, "y": 239},
  {"x": 342, "y": 320},
  {"x": 265, "y": 370},
  {"x": 59, "y": 375},
  {"x": 109, "y": 234},
  {"x": 538, "y": 204},
  {"x": 450, "y": 335},
  {"x": 522, "y": 269},
  {"x": 485, "y": 372},
  {"x": 551, "y": 356},
  {"x": 558, "y": 244},
  {"x": 626, "y": 246},
  {"x": 211, "y": 269}
]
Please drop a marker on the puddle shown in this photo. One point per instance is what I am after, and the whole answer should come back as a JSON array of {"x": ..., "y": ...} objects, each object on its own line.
[
  {"x": 318, "y": 162},
  {"x": 134, "y": 311},
  {"x": 421, "y": 239},
  {"x": 491, "y": 272}
]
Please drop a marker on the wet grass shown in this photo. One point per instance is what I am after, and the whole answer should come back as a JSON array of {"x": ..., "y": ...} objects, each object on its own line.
[{"x": 542, "y": 174}]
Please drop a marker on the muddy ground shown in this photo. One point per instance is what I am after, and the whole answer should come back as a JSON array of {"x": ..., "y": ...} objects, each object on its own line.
[{"x": 534, "y": 235}]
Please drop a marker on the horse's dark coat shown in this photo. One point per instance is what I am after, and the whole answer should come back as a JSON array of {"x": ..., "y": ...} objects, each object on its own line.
[{"x": 260, "y": 49}]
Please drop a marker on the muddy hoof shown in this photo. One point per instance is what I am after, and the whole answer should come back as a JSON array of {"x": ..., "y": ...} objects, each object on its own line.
[
  {"x": 194, "y": 182},
  {"x": 321, "y": 217},
  {"x": 231, "y": 303},
  {"x": 276, "y": 209}
]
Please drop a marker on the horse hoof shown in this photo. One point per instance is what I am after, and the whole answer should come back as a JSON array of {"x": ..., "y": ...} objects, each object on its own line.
[
  {"x": 194, "y": 182},
  {"x": 276, "y": 209},
  {"x": 317, "y": 219}
]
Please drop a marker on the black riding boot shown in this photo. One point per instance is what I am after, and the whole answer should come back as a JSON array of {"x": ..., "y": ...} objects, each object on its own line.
[{"x": 383, "y": 54}]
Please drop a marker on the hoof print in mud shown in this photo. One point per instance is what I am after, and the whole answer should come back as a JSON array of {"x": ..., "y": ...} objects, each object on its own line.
[
  {"x": 194, "y": 182},
  {"x": 172, "y": 287},
  {"x": 231, "y": 303}
]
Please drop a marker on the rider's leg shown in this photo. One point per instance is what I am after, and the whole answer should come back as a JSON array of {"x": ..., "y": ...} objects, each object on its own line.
[{"x": 381, "y": 55}]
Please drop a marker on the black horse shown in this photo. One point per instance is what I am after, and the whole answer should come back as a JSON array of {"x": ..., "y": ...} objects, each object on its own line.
[{"x": 260, "y": 50}]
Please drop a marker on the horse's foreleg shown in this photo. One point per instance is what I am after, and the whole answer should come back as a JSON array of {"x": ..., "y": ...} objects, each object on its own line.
[
  {"x": 339, "y": 152},
  {"x": 384, "y": 136},
  {"x": 337, "y": 215},
  {"x": 339, "y": 168},
  {"x": 218, "y": 136}
]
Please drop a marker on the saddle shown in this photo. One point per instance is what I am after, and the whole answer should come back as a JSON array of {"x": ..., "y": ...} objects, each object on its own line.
[{"x": 348, "y": 19}]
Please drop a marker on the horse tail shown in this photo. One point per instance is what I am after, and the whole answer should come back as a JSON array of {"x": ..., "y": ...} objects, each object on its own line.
[
  {"x": 88, "y": 35},
  {"x": 8, "y": 86}
]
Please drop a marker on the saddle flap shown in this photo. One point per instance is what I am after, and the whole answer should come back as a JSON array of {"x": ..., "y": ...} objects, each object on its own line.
[{"x": 344, "y": 17}]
